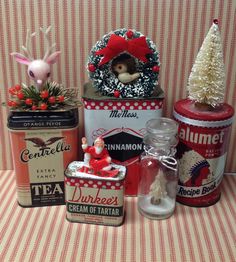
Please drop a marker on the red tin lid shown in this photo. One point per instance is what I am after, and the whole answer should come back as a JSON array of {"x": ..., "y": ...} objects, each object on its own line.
[{"x": 186, "y": 109}]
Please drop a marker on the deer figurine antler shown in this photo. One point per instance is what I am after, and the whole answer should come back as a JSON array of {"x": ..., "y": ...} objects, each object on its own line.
[{"x": 38, "y": 69}]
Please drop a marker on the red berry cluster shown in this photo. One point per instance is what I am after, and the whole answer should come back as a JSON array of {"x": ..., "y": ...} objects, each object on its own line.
[
  {"x": 42, "y": 104},
  {"x": 16, "y": 92}
]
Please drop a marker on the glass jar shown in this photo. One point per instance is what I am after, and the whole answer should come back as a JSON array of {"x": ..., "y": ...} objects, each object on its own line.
[{"x": 158, "y": 169}]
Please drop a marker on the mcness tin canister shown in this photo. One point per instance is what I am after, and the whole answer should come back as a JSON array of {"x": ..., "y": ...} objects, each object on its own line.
[
  {"x": 204, "y": 135},
  {"x": 121, "y": 124},
  {"x": 93, "y": 199},
  {"x": 43, "y": 144}
]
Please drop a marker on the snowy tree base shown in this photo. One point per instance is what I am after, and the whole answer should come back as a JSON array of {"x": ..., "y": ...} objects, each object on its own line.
[{"x": 162, "y": 210}]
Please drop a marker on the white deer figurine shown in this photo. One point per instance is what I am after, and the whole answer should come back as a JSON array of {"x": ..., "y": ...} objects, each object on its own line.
[{"x": 38, "y": 69}]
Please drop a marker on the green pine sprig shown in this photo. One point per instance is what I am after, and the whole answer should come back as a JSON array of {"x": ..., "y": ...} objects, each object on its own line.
[{"x": 53, "y": 96}]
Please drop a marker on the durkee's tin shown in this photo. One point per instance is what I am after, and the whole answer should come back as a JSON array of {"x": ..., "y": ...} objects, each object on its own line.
[
  {"x": 121, "y": 124},
  {"x": 43, "y": 144},
  {"x": 204, "y": 136},
  {"x": 93, "y": 199}
]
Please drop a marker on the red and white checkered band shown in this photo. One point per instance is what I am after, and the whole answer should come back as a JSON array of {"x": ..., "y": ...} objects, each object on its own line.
[
  {"x": 124, "y": 104},
  {"x": 94, "y": 183}
]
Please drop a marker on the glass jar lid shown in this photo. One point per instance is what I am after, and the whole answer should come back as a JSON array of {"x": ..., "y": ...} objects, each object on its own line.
[{"x": 161, "y": 132}]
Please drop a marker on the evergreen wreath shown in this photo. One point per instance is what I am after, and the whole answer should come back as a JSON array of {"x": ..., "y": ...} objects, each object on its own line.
[{"x": 124, "y": 47}]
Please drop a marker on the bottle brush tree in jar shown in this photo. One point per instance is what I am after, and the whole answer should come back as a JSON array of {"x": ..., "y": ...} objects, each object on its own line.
[{"x": 158, "y": 188}]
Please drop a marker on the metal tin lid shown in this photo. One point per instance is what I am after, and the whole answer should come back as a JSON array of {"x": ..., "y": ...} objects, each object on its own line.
[
  {"x": 91, "y": 93},
  {"x": 39, "y": 120},
  {"x": 186, "y": 111},
  {"x": 72, "y": 171}
]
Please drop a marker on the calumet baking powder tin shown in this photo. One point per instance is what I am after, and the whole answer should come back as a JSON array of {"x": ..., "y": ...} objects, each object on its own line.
[
  {"x": 202, "y": 151},
  {"x": 121, "y": 123},
  {"x": 43, "y": 144},
  {"x": 93, "y": 199}
]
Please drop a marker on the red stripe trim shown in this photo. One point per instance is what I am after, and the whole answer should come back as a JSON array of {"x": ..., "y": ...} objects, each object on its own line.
[
  {"x": 182, "y": 91},
  {"x": 224, "y": 206},
  {"x": 83, "y": 254},
  {"x": 76, "y": 242},
  {"x": 214, "y": 232},
  {"x": 146, "y": 17},
  {"x": 143, "y": 251},
  {"x": 113, "y": 17},
  {"x": 57, "y": 240},
  {"x": 40, "y": 234},
  {"x": 41, "y": 36},
  {"x": 5, "y": 208},
  {"x": 123, "y": 237},
  {"x": 220, "y": 217},
  {"x": 20, "y": 234},
  {"x": 66, "y": 43},
  {"x": 33, "y": 29},
  {"x": 50, "y": 234},
  {"x": 177, "y": 60},
  {"x": 104, "y": 244},
  {"x": 138, "y": 15},
  {"x": 98, "y": 20},
  {"x": 122, "y": 14},
  {"x": 90, "y": 29},
  {"x": 57, "y": 23},
  {"x": 130, "y": 8},
  {"x": 161, "y": 239},
  {"x": 30, "y": 234},
  {"x": 74, "y": 27},
  {"x": 152, "y": 240},
  {"x": 5, "y": 79},
  {"x": 229, "y": 194},
  {"x": 82, "y": 45},
  {"x": 105, "y": 18},
  {"x": 162, "y": 6},
  {"x": 113, "y": 240},
  {"x": 170, "y": 11},
  {"x": 195, "y": 229},
  {"x": 6, "y": 180},
  {"x": 201, "y": 215},
  {"x": 67, "y": 239},
  {"x": 178, "y": 212},
  {"x": 133, "y": 217},
  {"x": 94, "y": 243},
  {"x": 12, "y": 232},
  {"x": 231, "y": 47},
  {"x": 170, "y": 240}
]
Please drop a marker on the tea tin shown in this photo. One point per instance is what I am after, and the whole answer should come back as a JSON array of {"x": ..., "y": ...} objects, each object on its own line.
[{"x": 43, "y": 144}]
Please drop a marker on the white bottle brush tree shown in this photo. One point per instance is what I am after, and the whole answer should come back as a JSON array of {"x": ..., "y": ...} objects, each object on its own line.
[
  {"x": 158, "y": 188},
  {"x": 206, "y": 82}
]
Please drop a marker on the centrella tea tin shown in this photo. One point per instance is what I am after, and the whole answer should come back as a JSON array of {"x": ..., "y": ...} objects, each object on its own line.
[
  {"x": 43, "y": 144},
  {"x": 93, "y": 199},
  {"x": 202, "y": 151},
  {"x": 121, "y": 123}
]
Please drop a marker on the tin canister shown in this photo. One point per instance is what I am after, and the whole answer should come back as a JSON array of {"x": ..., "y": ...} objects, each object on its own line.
[
  {"x": 204, "y": 136},
  {"x": 93, "y": 199},
  {"x": 121, "y": 123},
  {"x": 43, "y": 144}
]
